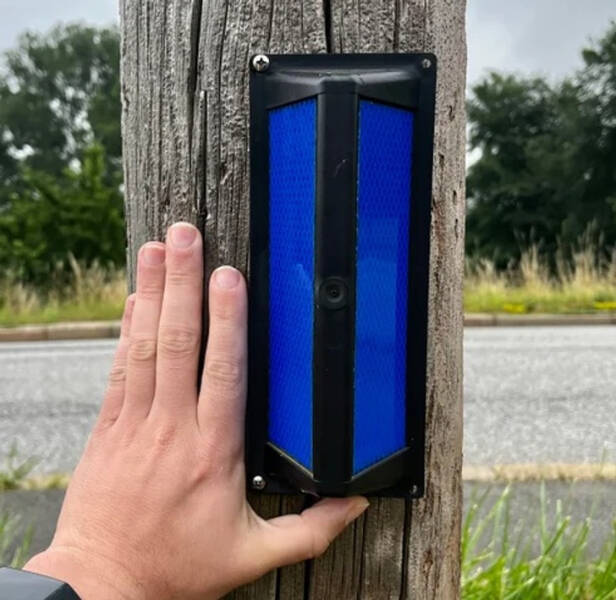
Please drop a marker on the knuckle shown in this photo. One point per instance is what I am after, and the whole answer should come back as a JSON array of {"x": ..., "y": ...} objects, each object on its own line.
[
  {"x": 225, "y": 312},
  {"x": 204, "y": 467},
  {"x": 178, "y": 342},
  {"x": 103, "y": 424},
  {"x": 320, "y": 543},
  {"x": 165, "y": 435},
  {"x": 117, "y": 375},
  {"x": 150, "y": 289},
  {"x": 142, "y": 350},
  {"x": 182, "y": 277},
  {"x": 222, "y": 373}
]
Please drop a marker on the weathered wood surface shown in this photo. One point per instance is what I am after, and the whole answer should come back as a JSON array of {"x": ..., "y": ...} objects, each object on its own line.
[{"x": 185, "y": 121}]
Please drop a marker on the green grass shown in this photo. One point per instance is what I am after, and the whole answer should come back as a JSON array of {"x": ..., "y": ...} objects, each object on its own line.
[
  {"x": 13, "y": 473},
  {"x": 497, "y": 563},
  {"x": 15, "y": 470},
  {"x": 503, "y": 567},
  {"x": 16, "y": 474},
  {"x": 94, "y": 294},
  {"x": 588, "y": 285},
  {"x": 63, "y": 312},
  {"x": 14, "y": 552}
]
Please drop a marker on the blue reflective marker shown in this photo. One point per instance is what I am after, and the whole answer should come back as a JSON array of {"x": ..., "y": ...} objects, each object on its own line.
[
  {"x": 383, "y": 219},
  {"x": 292, "y": 156},
  {"x": 341, "y": 178}
]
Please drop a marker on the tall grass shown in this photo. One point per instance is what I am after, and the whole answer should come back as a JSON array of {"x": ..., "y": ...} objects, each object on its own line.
[
  {"x": 497, "y": 560},
  {"x": 585, "y": 283},
  {"x": 14, "y": 546},
  {"x": 93, "y": 293},
  {"x": 498, "y": 563},
  {"x": 15, "y": 470}
]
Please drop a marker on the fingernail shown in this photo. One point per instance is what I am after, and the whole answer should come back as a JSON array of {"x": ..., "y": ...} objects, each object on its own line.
[
  {"x": 182, "y": 235},
  {"x": 226, "y": 278},
  {"x": 358, "y": 508},
  {"x": 154, "y": 254}
]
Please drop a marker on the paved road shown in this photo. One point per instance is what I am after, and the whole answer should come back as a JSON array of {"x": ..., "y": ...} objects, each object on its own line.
[
  {"x": 49, "y": 397},
  {"x": 532, "y": 395},
  {"x": 540, "y": 395}
]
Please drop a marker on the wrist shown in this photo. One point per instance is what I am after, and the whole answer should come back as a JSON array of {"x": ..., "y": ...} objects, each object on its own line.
[{"x": 92, "y": 577}]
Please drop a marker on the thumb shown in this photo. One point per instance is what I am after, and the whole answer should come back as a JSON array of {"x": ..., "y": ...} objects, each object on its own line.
[{"x": 293, "y": 538}]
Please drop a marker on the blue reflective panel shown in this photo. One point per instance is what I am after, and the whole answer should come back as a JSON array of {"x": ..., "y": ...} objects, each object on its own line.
[
  {"x": 292, "y": 138},
  {"x": 383, "y": 213}
]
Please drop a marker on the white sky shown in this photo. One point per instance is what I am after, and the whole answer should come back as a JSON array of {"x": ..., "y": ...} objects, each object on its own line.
[{"x": 525, "y": 36}]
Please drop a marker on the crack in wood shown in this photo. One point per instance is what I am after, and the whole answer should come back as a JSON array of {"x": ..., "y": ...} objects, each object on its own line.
[
  {"x": 408, "y": 522},
  {"x": 327, "y": 16},
  {"x": 193, "y": 70}
]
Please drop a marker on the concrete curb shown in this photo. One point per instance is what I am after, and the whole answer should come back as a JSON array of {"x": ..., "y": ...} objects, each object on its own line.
[
  {"x": 509, "y": 473},
  {"x": 93, "y": 330},
  {"x": 503, "y": 320},
  {"x": 87, "y": 330},
  {"x": 503, "y": 473}
]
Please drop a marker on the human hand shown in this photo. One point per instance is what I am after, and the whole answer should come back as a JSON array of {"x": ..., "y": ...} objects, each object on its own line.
[{"x": 157, "y": 505}]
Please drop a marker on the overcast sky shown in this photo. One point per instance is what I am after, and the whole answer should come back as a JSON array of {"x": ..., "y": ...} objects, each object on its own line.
[{"x": 527, "y": 36}]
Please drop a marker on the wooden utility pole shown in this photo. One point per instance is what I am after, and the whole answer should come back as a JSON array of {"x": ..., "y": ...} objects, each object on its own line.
[{"x": 185, "y": 121}]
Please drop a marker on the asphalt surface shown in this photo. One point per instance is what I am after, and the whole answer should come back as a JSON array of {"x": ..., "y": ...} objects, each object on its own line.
[
  {"x": 50, "y": 393},
  {"x": 531, "y": 395},
  {"x": 540, "y": 395}
]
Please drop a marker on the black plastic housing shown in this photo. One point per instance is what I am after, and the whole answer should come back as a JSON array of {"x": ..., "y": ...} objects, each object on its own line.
[{"x": 338, "y": 82}]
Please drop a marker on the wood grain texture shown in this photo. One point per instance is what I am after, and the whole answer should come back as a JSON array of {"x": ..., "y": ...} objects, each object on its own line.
[{"x": 185, "y": 122}]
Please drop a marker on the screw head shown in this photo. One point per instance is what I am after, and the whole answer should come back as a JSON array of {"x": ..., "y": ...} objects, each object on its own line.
[
  {"x": 258, "y": 482},
  {"x": 426, "y": 63},
  {"x": 414, "y": 490},
  {"x": 260, "y": 63}
]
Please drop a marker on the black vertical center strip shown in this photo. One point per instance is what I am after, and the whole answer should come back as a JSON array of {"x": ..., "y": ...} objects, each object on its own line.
[{"x": 335, "y": 242}]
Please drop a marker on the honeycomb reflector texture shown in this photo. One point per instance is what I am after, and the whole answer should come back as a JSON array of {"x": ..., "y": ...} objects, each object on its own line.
[
  {"x": 383, "y": 218},
  {"x": 292, "y": 159}
]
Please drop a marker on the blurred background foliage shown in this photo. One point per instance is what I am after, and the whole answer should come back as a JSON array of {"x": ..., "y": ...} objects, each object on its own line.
[
  {"x": 541, "y": 179},
  {"x": 545, "y": 175},
  {"x": 60, "y": 153}
]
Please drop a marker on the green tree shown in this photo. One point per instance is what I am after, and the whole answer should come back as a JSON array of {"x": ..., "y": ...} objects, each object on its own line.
[
  {"x": 545, "y": 173},
  {"x": 59, "y": 93},
  {"x": 508, "y": 118},
  {"x": 598, "y": 154},
  {"x": 75, "y": 213},
  {"x": 60, "y": 152}
]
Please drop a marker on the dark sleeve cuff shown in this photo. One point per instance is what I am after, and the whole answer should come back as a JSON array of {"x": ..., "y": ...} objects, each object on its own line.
[{"x": 23, "y": 585}]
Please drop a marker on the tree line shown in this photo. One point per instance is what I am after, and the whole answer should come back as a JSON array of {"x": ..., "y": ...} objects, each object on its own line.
[
  {"x": 60, "y": 153},
  {"x": 545, "y": 172}
]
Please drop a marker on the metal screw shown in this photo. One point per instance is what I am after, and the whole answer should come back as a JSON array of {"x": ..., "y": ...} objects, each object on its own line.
[
  {"x": 258, "y": 483},
  {"x": 260, "y": 63},
  {"x": 414, "y": 490},
  {"x": 426, "y": 63}
]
